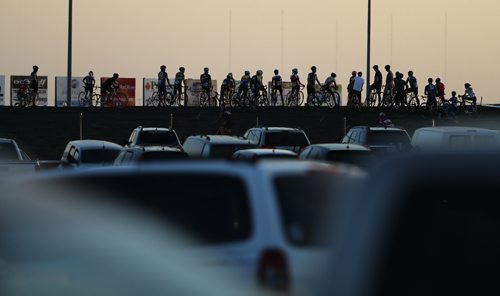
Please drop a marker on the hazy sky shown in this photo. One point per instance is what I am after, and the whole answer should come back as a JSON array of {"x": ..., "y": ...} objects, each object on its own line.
[{"x": 134, "y": 38}]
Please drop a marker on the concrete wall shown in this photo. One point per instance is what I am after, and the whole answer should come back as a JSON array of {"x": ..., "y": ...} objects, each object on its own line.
[{"x": 44, "y": 131}]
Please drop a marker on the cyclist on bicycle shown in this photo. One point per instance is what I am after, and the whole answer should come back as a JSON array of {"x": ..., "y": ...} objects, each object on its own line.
[
  {"x": 89, "y": 83},
  {"x": 431, "y": 93},
  {"x": 357, "y": 86},
  {"x": 179, "y": 82},
  {"x": 377, "y": 84},
  {"x": 469, "y": 95},
  {"x": 327, "y": 86},
  {"x": 389, "y": 82},
  {"x": 256, "y": 84},
  {"x": 206, "y": 81},
  {"x": 109, "y": 87},
  {"x": 412, "y": 85},
  {"x": 162, "y": 82},
  {"x": 296, "y": 84},
  {"x": 34, "y": 84},
  {"x": 440, "y": 90},
  {"x": 312, "y": 79},
  {"x": 277, "y": 86},
  {"x": 400, "y": 89},
  {"x": 227, "y": 87},
  {"x": 244, "y": 84}
]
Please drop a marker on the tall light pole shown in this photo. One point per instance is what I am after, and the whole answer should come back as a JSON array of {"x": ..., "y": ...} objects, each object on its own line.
[
  {"x": 368, "y": 51},
  {"x": 70, "y": 50}
]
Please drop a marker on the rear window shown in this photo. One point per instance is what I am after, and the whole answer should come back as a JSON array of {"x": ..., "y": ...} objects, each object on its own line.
[
  {"x": 295, "y": 139},
  {"x": 351, "y": 156},
  {"x": 158, "y": 138},
  {"x": 8, "y": 152},
  {"x": 303, "y": 200},
  {"x": 99, "y": 156},
  {"x": 214, "y": 209},
  {"x": 385, "y": 137},
  {"x": 161, "y": 155},
  {"x": 227, "y": 151}
]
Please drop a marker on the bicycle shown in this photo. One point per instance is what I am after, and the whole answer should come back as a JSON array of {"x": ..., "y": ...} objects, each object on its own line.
[
  {"x": 115, "y": 99},
  {"x": 466, "y": 105},
  {"x": 388, "y": 99},
  {"x": 207, "y": 99},
  {"x": 156, "y": 101},
  {"x": 412, "y": 99},
  {"x": 323, "y": 97},
  {"x": 262, "y": 99},
  {"x": 88, "y": 99},
  {"x": 295, "y": 98},
  {"x": 26, "y": 96},
  {"x": 226, "y": 98},
  {"x": 371, "y": 101},
  {"x": 353, "y": 101},
  {"x": 181, "y": 98}
]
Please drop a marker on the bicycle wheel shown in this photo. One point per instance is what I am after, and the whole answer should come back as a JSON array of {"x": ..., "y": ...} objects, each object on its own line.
[
  {"x": 372, "y": 99},
  {"x": 387, "y": 101},
  {"x": 336, "y": 99},
  {"x": 263, "y": 101},
  {"x": 316, "y": 100},
  {"x": 119, "y": 100},
  {"x": 204, "y": 99},
  {"x": 414, "y": 102},
  {"x": 330, "y": 101},
  {"x": 82, "y": 99}
]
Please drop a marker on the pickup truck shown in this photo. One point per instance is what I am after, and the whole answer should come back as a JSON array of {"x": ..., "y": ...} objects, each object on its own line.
[{"x": 13, "y": 160}]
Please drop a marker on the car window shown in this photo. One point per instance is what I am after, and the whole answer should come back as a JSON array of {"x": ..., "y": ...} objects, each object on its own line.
[
  {"x": 72, "y": 151},
  {"x": 354, "y": 137},
  {"x": 8, "y": 152},
  {"x": 214, "y": 208},
  {"x": 315, "y": 153},
  {"x": 99, "y": 156},
  {"x": 120, "y": 157},
  {"x": 296, "y": 139},
  {"x": 301, "y": 211},
  {"x": 305, "y": 153},
  {"x": 127, "y": 159},
  {"x": 252, "y": 136},
  {"x": 77, "y": 155},
  {"x": 460, "y": 142},
  {"x": 194, "y": 147},
  {"x": 485, "y": 141},
  {"x": 227, "y": 150},
  {"x": 388, "y": 137},
  {"x": 158, "y": 138}
]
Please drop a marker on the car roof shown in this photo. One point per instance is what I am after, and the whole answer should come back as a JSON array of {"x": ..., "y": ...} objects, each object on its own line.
[
  {"x": 5, "y": 140},
  {"x": 278, "y": 129},
  {"x": 341, "y": 147},
  {"x": 95, "y": 144},
  {"x": 147, "y": 149},
  {"x": 266, "y": 152},
  {"x": 379, "y": 128},
  {"x": 458, "y": 129},
  {"x": 155, "y": 129},
  {"x": 216, "y": 139}
]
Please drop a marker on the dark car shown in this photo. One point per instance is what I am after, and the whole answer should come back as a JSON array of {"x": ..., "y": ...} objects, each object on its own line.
[
  {"x": 89, "y": 153},
  {"x": 423, "y": 225},
  {"x": 135, "y": 155},
  {"x": 346, "y": 153},
  {"x": 293, "y": 139},
  {"x": 153, "y": 136},
  {"x": 213, "y": 146},
  {"x": 379, "y": 139}
]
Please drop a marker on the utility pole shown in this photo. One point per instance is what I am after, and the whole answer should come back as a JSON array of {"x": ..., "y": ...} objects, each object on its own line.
[{"x": 70, "y": 51}]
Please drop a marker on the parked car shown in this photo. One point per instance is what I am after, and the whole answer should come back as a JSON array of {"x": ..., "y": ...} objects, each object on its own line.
[
  {"x": 259, "y": 154},
  {"x": 292, "y": 139},
  {"x": 261, "y": 221},
  {"x": 89, "y": 153},
  {"x": 133, "y": 155},
  {"x": 425, "y": 224},
  {"x": 455, "y": 138},
  {"x": 379, "y": 139},
  {"x": 345, "y": 153},
  {"x": 13, "y": 160},
  {"x": 153, "y": 136},
  {"x": 9, "y": 151},
  {"x": 214, "y": 146}
]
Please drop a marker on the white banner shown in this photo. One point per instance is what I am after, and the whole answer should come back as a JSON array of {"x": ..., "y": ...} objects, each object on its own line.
[
  {"x": 62, "y": 91},
  {"x": 2, "y": 90},
  {"x": 17, "y": 81}
]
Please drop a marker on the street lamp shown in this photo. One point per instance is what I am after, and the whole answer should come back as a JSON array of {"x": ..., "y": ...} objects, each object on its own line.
[
  {"x": 368, "y": 50},
  {"x": 70, "y": 42}
]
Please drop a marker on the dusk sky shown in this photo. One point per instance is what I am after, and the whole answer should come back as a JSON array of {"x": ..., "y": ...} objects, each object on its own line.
[{"x": 456, "y": 40}]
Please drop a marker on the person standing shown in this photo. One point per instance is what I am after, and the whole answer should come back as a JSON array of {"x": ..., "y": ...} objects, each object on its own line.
[
  {"x": 179, "y": 82},
  {"x": 412, "y": 84},
  {"x": 440, "y": 90},
  {"x": 34, "y": 84},
  {"x": 389, "y": 82},
  {"x": 377, "y": 84},
  {"x": 431, "y": 93},
  {"x": 88, "y": 84},
  {"x": 109, "y": 87},
  {"x": 277, "y": 86},
  {"x": 357, "y": 86},
  {"x": 162, "y": 83},
  {"x": 312, "y": 79}
]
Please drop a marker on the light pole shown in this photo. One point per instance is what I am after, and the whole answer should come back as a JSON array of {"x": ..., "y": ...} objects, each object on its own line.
[
  {"x": 368, "y": 51},
  {"x": 70, "y": 45}
]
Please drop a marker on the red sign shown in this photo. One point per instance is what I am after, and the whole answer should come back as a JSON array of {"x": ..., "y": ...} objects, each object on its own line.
[{"x": 125, "y": 96}]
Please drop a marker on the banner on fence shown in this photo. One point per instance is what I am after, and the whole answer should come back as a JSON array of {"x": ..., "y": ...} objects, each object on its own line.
[
  {"x": 2, "y": 90},
  {"x": 126, "y": 89},
  {"x": 62, "y": 91},
  {"x": 16, "y": 83}
]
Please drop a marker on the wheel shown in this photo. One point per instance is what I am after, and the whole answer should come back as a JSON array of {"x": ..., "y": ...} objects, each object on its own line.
[
  {"x": 330, "y": 101},
  {"x": 82, "y": 99},
  {"x": 119, "y": 100},
  {"x": 413, "y": 102},
  {"x": 387, "y": 101},
  {"x": 316, "y": 100},
  {"x": 292, "y": 99},
  {"x": 204, "y": 101},
  {"x": 263, "y": 101},
  {"x": 372, "y": 99},
  {"x": 336, "y": 99}
]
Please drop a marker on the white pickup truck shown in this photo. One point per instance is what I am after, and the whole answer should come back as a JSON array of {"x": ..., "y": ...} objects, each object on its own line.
[{"x": 13, "y": 160}]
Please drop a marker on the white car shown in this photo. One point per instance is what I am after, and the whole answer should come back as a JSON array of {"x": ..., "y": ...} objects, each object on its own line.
[
  {"x": 257, "y": 220},
  {"x": 455, "y": 138}
]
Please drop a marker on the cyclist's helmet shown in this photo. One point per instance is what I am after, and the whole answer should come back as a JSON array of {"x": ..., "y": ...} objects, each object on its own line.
[
  {"x": 276, "y": 71},
  {"x": 259, "y": 72},
  {"x": 467, "y": 85},
  {"x": 115, "y": 75},
  {"x": 410, "y": 73},
  {"x": 438, "y": 79},
  {"x": 35, "y": 67},
  {"x": 182, "y": 69},
  {"x": 163, "y": 67},
  {"x": 375, "y": 67},
  {"x": 229, "y": 75},
  {"x": 247, "y": 72},
  {"x": 333, "y": 75},
  {"x": 453, "y": 93},
  {"x": 313, "y": 68},
  {"x": 205, "y": 70},
  {"x": 295, "y": 71}
]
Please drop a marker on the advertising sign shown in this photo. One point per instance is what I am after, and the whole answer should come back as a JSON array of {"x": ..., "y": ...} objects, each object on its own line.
[
  {"x": 62, "y": 91},
  {"x": 126, "y": 90},
  {"x": 2, "y": 90},
  {"x": 150, "y": 85},
  {"x": 17, "y": 82}
]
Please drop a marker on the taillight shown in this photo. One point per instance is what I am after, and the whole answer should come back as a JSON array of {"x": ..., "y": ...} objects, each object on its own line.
[{"x": 272, "y": 271}]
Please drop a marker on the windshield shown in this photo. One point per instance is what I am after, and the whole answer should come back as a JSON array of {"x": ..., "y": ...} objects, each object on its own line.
[
  {"x": 227, "y": 151},
  {"x": 385, "y": 137},
  {"x": 296, "y": 139},
  {"x": 159, "y": 138},
  {"x": 8, "y": 152},
  {"x": 301, "y": 211},
  {"x": 99, "y": 156}
]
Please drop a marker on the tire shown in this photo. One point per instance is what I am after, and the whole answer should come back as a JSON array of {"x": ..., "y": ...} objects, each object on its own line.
[
  {"x": 204, "y": 99},
  {"x": 387, "y": 101},
  {"x": 83, "y": 100},
  {"x": 293, "y": 100},
  {"x": 372, "y": 100},
  {"x": 263, "y": 101},
  {"x": 414, "y": 102},
  {"x": 330, "y": 101}
]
